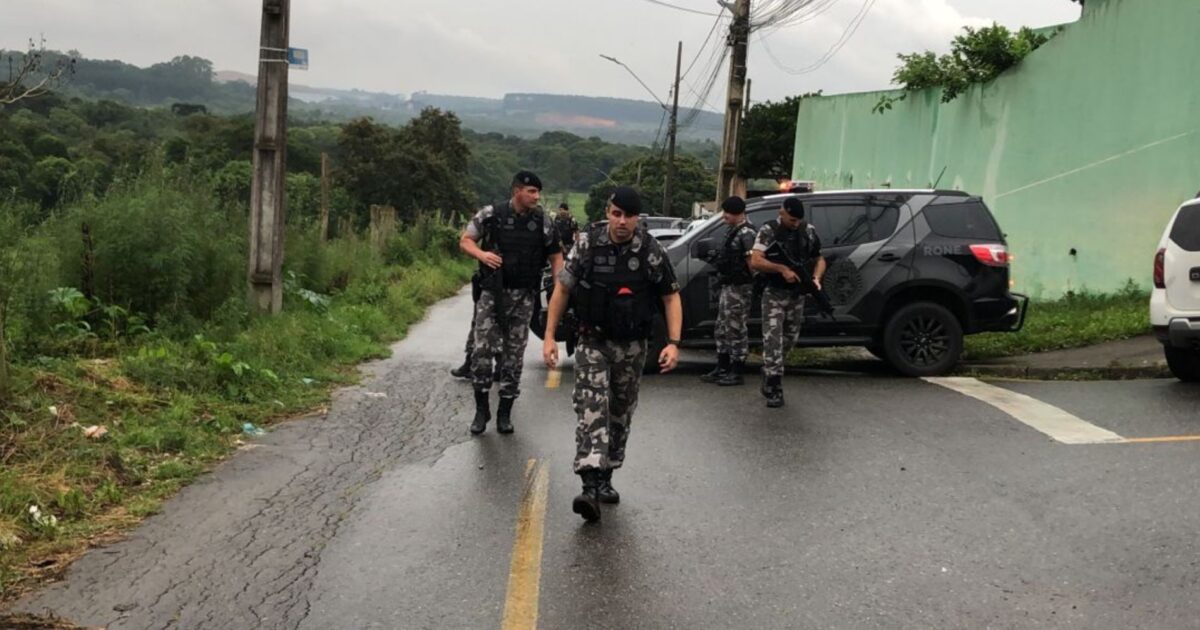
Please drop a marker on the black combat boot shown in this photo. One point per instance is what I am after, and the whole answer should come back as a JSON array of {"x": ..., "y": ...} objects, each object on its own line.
[
  {"x": 774, "y": 391},
  {"x": 587, "y": 504},
  {"x": 734, "y": 375},
  {"x": 606, "y": 492},
  {"x": 464, "y": 370},
  {"x": 482, "y": 413},
  {"x": 717, "y": 372},
  {"x": 504, "y": 415}
]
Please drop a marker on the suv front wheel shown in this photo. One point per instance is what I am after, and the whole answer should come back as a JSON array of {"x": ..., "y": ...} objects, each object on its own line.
[
  {"x": 1184, "y": 363},
  {"x": 922, "y": 339}
]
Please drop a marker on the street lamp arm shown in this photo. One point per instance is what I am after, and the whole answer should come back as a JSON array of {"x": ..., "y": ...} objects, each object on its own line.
[{"x": 638, "y": 79}]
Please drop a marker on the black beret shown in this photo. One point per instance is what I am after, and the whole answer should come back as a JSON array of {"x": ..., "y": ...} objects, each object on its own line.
[
  {"x": 527, "y": 178},
  {"x": 734, "y": 205},
  {"x": 794, "y": 207},
  {"x": 564, "y": 206},
  {"x": 626, "y": 199}
]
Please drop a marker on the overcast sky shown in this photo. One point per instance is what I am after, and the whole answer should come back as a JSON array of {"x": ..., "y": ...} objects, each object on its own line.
[{"x": 490, "y": 47}]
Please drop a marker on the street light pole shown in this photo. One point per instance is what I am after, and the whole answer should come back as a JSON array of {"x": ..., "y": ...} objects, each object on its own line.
[
  {"x": 670, "y": 178},
  {"x": 739, "y": 35},
  {"x": 264, "y": 274}
]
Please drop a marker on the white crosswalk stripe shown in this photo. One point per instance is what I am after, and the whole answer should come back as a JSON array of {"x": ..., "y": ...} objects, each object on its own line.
[{"x": 1053, "y": 421}]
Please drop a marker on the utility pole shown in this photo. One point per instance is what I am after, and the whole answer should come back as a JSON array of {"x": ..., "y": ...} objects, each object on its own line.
[
  {"x": 324, "y": 196},
  {"x": 670, "y": 180},
  {"x": 739, "y": 37},
  {"x": 267, "y": 201}
]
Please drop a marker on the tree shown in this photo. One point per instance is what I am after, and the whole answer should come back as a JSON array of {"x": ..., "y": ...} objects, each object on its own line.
[
  {"x": 768, "y": 138},
  {"x": 978, "y": 56},
  {"x": 419, "y": 168},
  {"x": 31, "y": 79},
  {"x": 647, "y": 174}
]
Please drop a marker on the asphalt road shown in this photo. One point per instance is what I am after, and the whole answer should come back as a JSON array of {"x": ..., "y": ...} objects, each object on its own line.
[{"x": 869, "y": 501}]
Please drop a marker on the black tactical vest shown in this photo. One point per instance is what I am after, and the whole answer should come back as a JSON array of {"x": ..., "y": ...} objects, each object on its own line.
[
  {"x": 520, "y": 241},
  {"x": 791, "y": 248},
  {"x": 615, "y": 298},
  {"x": 732, "y": 266}
]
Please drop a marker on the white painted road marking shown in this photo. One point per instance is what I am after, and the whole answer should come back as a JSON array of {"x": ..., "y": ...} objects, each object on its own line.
[{"x": 1044, "y": 417}]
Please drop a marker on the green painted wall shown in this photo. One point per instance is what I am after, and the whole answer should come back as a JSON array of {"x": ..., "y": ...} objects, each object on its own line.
[{"x": 1090, "y": 144}]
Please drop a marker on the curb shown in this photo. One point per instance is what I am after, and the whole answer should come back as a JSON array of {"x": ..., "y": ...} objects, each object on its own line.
[{"x": 1110, "y": 373}]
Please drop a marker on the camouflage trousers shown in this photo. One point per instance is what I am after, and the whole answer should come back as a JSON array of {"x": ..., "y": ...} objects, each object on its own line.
[
  {"x": 607, "y": 377},
  {"x": 782, "y": 315},
  {"x": 470, "y": 348},
  {"x": 501, "y": 339},
  {"x": 733, "y": 311}
]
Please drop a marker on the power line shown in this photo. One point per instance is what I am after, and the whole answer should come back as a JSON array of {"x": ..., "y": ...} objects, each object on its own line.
[
  {"x": 679, "y": 8},
  {"x": 708, "y": 39},
  {"x": 837, "y": 46}
]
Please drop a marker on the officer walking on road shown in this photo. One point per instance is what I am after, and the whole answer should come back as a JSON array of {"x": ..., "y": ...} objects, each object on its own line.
[
  {"x": 567, "y": 228},
  {"x": 616, "y": 275},
  {"x": 512, "y": 242},
  {"x": 784, "y": 247},
  {"x": 737, "y": 292}
]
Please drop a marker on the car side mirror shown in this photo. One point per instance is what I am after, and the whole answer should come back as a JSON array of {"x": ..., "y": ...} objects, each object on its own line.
[{"x": 705, "y": 249}]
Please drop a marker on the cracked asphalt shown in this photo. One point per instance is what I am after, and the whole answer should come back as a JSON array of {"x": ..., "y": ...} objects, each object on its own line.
[{"x": 870, "y": 501}]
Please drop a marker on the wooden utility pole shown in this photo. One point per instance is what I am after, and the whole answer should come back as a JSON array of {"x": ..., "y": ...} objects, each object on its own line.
[
  {"x": 267, "y": 200},
  {"x": 670, "y": 180},
  {"x": 324, "y": 196},
  {"x": 739, "y": 37}
]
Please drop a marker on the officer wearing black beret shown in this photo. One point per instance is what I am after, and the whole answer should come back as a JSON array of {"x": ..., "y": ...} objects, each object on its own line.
[
  {"x": 617, "y": 276},
  {"x": 783, "y": 246},
  {"x": 512, "y": 242},
  {"x": 732, "y": 260}
]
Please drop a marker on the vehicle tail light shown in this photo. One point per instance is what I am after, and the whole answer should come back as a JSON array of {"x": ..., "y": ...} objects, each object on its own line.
[
  {"x": 992, "y": 255},
  {"x": 1159, "y": 269}
]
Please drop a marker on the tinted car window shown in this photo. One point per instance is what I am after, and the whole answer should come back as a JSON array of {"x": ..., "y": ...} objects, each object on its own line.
[
  {"x": 965, "y": 219},
  {"x": 854, "y": 223},
  {"x": 841, "y": 224},
  {"x": 1186, "y": 231}
]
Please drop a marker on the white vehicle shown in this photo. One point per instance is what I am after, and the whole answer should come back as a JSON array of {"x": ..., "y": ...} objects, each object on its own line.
[{"x": 1175, "y": 301}]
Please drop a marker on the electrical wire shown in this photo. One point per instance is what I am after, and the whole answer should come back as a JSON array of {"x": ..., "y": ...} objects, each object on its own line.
[
  {"x": 679, "y": 8},
  {"x": 837, "y": 46}
]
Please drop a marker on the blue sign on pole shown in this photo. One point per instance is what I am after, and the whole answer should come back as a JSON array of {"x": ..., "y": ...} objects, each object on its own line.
[{"x": 298, "y": 58}]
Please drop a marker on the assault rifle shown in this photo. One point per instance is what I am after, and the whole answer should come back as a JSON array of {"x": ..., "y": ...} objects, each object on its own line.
[{"x": 806, "y": 284}]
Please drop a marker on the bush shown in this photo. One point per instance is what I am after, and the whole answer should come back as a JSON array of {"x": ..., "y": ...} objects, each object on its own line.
[{"x": 159, "y": 248}]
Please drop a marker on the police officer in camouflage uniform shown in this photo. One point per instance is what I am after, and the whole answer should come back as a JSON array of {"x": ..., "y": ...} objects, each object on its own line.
[
  {"x": 737, "y": 291},
  {"x": 512, "y": 242},
  {"x": 615, "y": 278},
  {"x": 567, "y": 228},
  {"x": 784, "y": 247}
]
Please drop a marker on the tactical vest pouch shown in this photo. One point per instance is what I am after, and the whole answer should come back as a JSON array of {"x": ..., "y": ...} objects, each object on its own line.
[
  {"x": 611, "y": 312},
  {"x": 628, "y": 315}
]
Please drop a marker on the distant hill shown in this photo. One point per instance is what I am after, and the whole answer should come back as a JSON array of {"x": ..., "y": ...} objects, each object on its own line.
[{"x": 193, "y": 80}]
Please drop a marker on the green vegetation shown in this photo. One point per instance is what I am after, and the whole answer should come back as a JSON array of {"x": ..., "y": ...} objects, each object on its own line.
[
  {"x": 1073, "y": 321},
  {"x": 768, "y": 138},
  {"x": 648, "y": 175},
  {"x": 163, "y": 353},
  {"x": 978, "y": 56}
]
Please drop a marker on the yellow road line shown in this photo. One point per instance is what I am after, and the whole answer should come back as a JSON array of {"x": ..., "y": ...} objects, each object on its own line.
[
  {"x": 525, "y": 570},
  {"x": 553, "y": 378},
  {"x": 1169, "y": 438}
]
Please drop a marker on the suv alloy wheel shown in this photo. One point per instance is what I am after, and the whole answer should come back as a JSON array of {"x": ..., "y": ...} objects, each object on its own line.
[{"x": 922, "y": 339}]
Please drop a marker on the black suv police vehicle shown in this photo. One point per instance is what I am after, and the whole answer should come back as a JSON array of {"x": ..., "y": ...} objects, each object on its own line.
[{"x": 909, "y": 273}]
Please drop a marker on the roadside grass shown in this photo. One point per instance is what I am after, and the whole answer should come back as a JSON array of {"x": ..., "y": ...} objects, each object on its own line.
[
  {"x": 173, "y": 406},
  {"x": 1073, "y": 321}
]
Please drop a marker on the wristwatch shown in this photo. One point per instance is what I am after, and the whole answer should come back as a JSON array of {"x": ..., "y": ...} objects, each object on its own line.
[{"x": 673, "y": 342}]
